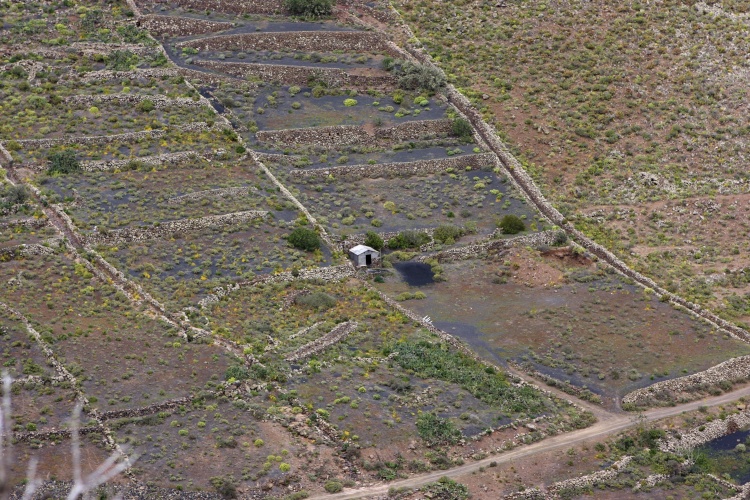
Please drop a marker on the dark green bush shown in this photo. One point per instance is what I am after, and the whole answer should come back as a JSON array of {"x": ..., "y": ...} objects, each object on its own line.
[
  {"x": 237, "y": 372},
  {"x": 225, "y": 486},
  {"x": 511, "y": 224},
  {"x": 447, "y": 234},
  {"x": 446, "y": 489},
  {"x": 309, "y": 8},
  {"x": 13, "y": 195},
  {"x": 304, "y": 239},
  {"x": 408, "y": 239},
  {"x": 146, "y": 105},
  {"x": 317, "y": 300},
  {"x": 461, "y": 128},
  {"x": 373, "y": 240},
  {"x": 64, "y": 162},
  {"x": 437, "y": 431}
]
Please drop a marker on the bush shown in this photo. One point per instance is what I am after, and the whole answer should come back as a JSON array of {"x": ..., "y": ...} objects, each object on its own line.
[
  {"x": 373, "y": 240},
  {"x": 304, "y": 239},
  {"x": 317, "y": 300},
  {"x": 417, "y": 76},
  {"x": 224, "y": 486},
  {"x": 16, "y": 195},
  {"x": 512, "y": 224},
  {"x": 350, "y": 102},
  {"x": 437, "y": 431},
  {"x": 408, "y": 239},
  {"x": 447, "y": 234},
  {"x": 146, "y": 105},
  {"x": 309, "y": 8},
  {"x": 333, "y": 486},
  {"x": 236, "y": 372},
  {"x": 447, "y": 489},
  {"x": 64, "y": 162},
  {"x": 461, "y": 128}
]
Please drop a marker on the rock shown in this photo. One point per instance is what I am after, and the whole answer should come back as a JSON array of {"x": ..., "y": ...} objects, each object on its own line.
[{"x": 485, "y": 96}]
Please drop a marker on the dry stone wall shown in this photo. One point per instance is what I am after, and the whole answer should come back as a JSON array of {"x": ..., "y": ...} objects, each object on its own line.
[
  {"x": 707, "y": 432},
  {"x": 163, "y": 159},
  {"x": 24, "y": 250},
  {"x": 106, "y": 74},
  {"x": 667, "y": 391},
  {"x": 211, "y": 194},
  {"x": 166, "y": 229},
  {"x": 343, "y": 135},
  {"x": 159, "y": 102},
  {"x": 419, "y": 167},
  {"x": 303, "y": 41},
  {"x": 482, "y": 249},
  {"x": 327, "y": 340},
  {"x": 180, "y": 26},
  {"x": 29, "y": 222},
  {"x": 298, "y": 75}
]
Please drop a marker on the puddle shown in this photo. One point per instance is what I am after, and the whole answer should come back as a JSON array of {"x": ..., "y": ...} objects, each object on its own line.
[
  {"x": 415, "y": 273},
  {"x": 724, "y": 457}
]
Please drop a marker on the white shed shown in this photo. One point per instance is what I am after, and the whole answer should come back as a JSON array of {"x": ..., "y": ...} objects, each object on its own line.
[{"x": 362, "y": 255}]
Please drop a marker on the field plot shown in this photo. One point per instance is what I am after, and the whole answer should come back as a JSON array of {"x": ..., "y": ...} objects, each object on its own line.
[
  {"x": 182, "y": 269},
  {"x": 151, "y": 196},
  {"x": 727, "y": 455},
  {"x": 21, "y": 220},
  {"x": 371, "y": 384},
  {"x": 586, "y": 326},
  {"x": 138, "y": 149},
  {"x": 476, "y": 199},
  {"x": 100, "y": 338},
  {"x": 211, "y": 440}
]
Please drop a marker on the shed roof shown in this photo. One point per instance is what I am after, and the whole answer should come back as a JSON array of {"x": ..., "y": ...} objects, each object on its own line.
[{"x": 360, "y": 249}]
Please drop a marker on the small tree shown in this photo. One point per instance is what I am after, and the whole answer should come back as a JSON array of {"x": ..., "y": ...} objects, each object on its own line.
[
  {"x": 512, "y": 224},
  {"x": 373, "y": 240},
  {"x": 304, "y": 239},
  {"x": 309, "y": 8},
  {"x": 418, "y": 76},
  {"x": 461, "y": 128},
  {"x": 64, "y": 162},
  {"x": 447, "y": 234}
]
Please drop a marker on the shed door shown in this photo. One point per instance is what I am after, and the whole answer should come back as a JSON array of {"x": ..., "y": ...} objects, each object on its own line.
[{"x": 368, "y": 259}]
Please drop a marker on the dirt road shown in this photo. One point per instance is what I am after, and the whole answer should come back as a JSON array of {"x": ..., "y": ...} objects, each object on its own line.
[{"x": 611, "y": 425}]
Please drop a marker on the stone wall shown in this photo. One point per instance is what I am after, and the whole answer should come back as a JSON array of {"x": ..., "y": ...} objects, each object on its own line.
[
  {"x": 298, "y": 75},
  {"x": 108, "y": 139},
  {"x": 159, "y": 101},
  {"x": 689, "y": 387},
  {"x": 212, "y": 194},
  {"x": 419, "y": 167},
  {"x": 30, "y": 222},
  {"x": 23, "y": 250},
  {"x": 484, "y": 248},
  {"x": 328, "y": 274},
  {"x": 302, "y": 41},
  {"x": 707, "y": 432},
  {"x": 166, "y": 229},
  {"x": 342, "y": 135},
  {"x": 106, "y": 74},
  {"x": 327, "y": 340},
  {"x": 163, "y": 159},
  {"x": 180, "y": 26}
]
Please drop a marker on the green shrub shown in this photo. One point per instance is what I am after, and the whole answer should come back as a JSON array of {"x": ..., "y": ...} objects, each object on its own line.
[
  {"x": 350, "y": 102},
  {"x": 417, "y": 76},
  {"x": 236, "y": 372},
  {"x": 319, "y": 301},
  {"x": 304, "y": 239},
  {"x": 146, "y": 105},
  {"x": 511, "y": 224},
  {"x": 446, "y": 488},
  {"x": 447, "y": 234},
  {"x": 225, "y": 486},
  {"x": 408, "y": 239},
  {"x": 15, "y": 195},
  {"x": 64, "y": 162},
  {"x": 461, "y": 128},
  {"x": 333, "y": 486},
  {"x": 437, "y": 431},
  {"x": 373, "y": 240},
  {"x": 309, "y": 8}
]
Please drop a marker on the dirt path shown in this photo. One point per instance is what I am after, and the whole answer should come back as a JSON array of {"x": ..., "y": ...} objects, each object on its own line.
[{"x": 612, "y": 425}]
